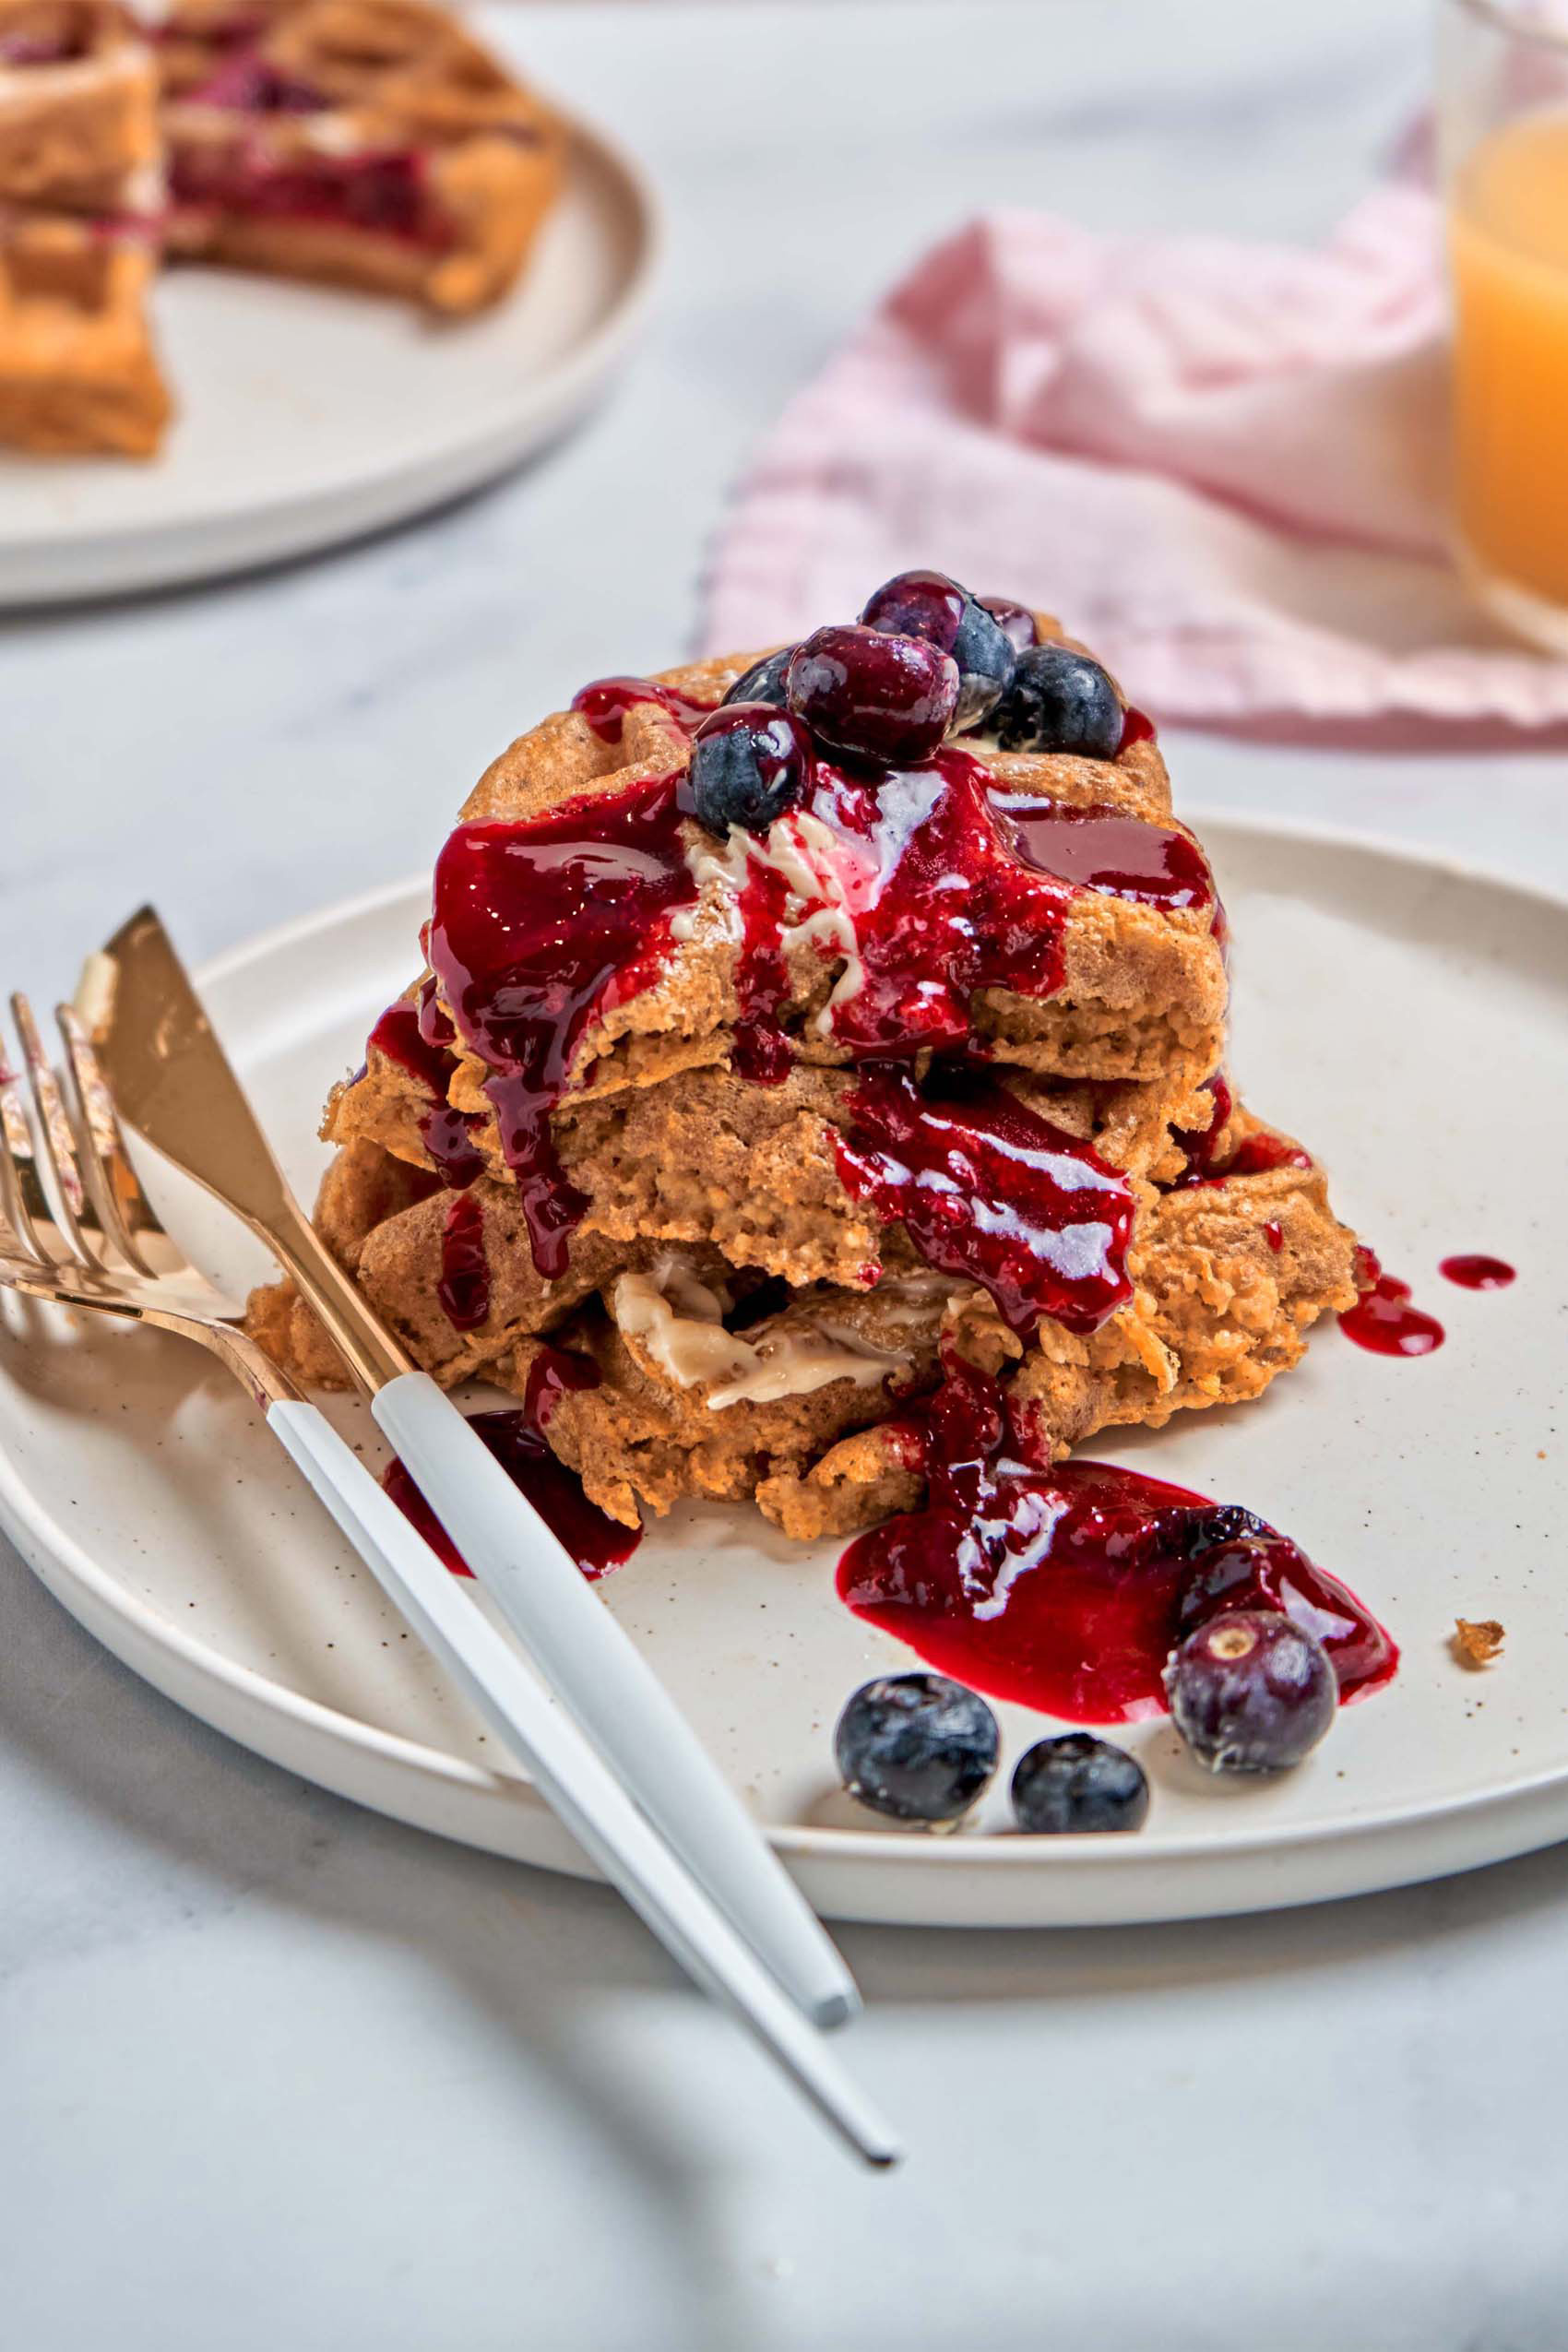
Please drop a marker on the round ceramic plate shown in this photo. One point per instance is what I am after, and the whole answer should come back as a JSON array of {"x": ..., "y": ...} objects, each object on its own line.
[
  {"x": 307, "y": 415},
  {"x": 1407, "y": 1019}
]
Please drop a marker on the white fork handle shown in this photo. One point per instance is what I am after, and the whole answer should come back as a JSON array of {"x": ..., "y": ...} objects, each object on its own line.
[
  {"x": 602, "y": 1678},
  {"x": 580, "y": 1790}
]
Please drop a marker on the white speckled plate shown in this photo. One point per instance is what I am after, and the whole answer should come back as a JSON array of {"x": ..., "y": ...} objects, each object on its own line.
[
  {"x": 1407, "y": 1019},
  {"x": 308, "y": 415}
]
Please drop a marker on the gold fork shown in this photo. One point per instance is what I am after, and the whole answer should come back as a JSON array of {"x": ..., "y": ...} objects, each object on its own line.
[
  {"x": 91, "y": 1238},
  {"x": 77, "y": 1230}
]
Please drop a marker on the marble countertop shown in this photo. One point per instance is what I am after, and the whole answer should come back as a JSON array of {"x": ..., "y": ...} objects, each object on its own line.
[{"x": 277, "y": 2074}]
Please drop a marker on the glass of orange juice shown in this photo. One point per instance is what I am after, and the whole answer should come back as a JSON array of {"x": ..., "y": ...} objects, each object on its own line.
[{"x": 1504, "y": 135}]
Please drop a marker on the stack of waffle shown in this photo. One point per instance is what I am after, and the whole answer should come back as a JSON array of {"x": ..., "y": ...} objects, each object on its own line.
[
  {"x": 369, "y": 142},
  {"x": 719, "y": 1227}
]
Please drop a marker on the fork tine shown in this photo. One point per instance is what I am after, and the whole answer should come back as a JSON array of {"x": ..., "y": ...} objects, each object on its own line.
[
  {"x": 55, "y": 1229},
  {"x": 16, "y": 1153},
  {"x": 124, "y": 1210}
]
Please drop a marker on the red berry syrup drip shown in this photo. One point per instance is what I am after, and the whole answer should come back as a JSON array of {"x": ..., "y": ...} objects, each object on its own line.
[
  {"x": 946, "y": 906},
  {"x": 605, "y": 703},
  {"x": 250, "y": 85},
  {"x": 952, "y": 885},
  {"x": 1106, "y": 850},
  {"x": 1253, "y": 1156},
  {"x": 595, "y": 1541},
  {"x": 1383, "y": 1320},
  {"x": 412, "y": 1036},
  {"x": 1474, "y": 1272},
  {"x": 21, "y": 49},
  {"x": 386, "y": 193},
  {"x": 1201, "y": 1145},
  {"x": 1137, "y": 726},
  {"x": 1067, "y": 1589},
  {"x": 763, "y": 1055},
  {"x": 986, "y": 1188},
  {"x": 464, "y": 1287},
  {"x": 541, "y": 929}
]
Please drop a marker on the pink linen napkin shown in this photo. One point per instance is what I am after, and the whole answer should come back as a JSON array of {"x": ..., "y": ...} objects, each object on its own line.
[{"x": 1222, "y": 464}]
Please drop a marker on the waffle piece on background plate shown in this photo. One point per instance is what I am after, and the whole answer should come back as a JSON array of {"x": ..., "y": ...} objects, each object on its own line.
[
  {"x": 78, "y": 100},
  {"x": 769, "y": 1120},
  {"x": 370, "y": 143},
  {"x": 81, "y": 193},
  {"x": 78, "y": 372}
]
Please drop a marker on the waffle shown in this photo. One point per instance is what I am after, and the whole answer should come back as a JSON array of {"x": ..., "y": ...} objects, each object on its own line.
[
  {"x": 368, "y": 143},
  {"x": 80, "y": 185},
  {"x": 77, "y": 369},
  {"x": 757, "y": 1308},
  {"x": 79, "y": 121}
]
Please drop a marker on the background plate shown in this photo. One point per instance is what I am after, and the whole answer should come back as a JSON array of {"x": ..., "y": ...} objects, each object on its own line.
[
  {"x": 1408, "y": 1019},
  {"x": 307, "y": 415}
]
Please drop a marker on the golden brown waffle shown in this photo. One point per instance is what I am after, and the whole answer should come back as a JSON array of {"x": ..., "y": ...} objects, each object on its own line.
[
  {"x": 78, "y": 124},
  {"x": 699, "y": 1186},
  {"x": 1142, "y": 1002},
  {"x": 372, "y": 143},
  {"x": 78, "y": 370}
]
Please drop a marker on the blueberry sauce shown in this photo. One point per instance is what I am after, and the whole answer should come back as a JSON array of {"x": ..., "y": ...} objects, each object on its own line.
[
  {"x": 1382, "y": 1319},
  {"x": 927, "y": 882},
  {"x": 762, "y": 1051},
  {"x": 1066, "y": 1589},
  {"x": 1472, "y": 1271},
  {"x": 1201, "y": 1145},
  {"x": 20, "y": 49},
  {"x": 409, "y": 1035},
  {"x": 605, "y": 703},
  {"x": 464, "y": 1287},
  {"x": 986, "y": 1188},
  {"x": 595, "y": 1541},
  {"x": 246, "y": 84},
  {"x": 386, "y": 192},
  {"x": 539, "y": 930},
  {"x": 950, "y": 886},
  {"x": 1255, "y": 1154},
  {"x": 1106, "y": 850}
]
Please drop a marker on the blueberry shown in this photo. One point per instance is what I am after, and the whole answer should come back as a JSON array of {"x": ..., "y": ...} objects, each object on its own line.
[
  {"x": 749, "y": 763},
  {"x": 1017, "y": 622},
  {"x": 931, "y": 606},
  {"x": 1249, "y": 1574},
  {"x": 1060, "y": 701},
  {"x": 916, "y": 1746},
  {"x": 1249, "y": 1691},
  {"x": 764, "y": 681},
  {"x": 890, "y": 698},
  {"x": 1189, "y": 1529},
  {"x": 1079, "y": 1783}
]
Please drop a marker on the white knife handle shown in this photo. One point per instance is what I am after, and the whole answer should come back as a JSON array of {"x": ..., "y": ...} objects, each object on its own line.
[
  {"x": 580, "y": 1790},
  {"x": 597, "y": 1673}
]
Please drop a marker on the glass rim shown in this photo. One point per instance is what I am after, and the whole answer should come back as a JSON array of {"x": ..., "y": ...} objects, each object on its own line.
[{"x": 1501, "y": 15}]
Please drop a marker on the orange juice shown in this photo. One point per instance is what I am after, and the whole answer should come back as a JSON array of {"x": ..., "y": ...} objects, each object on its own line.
[{"x": 1508, "y": 233}]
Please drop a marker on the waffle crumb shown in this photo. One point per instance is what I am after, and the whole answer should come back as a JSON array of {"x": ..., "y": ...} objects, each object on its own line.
[{"x": 1477, "y": 1640}]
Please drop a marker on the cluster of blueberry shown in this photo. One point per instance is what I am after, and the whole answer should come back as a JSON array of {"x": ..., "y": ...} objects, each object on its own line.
[
  {"x": 925, "y": 661},
  {"x": 1250, "y": 1691}
]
